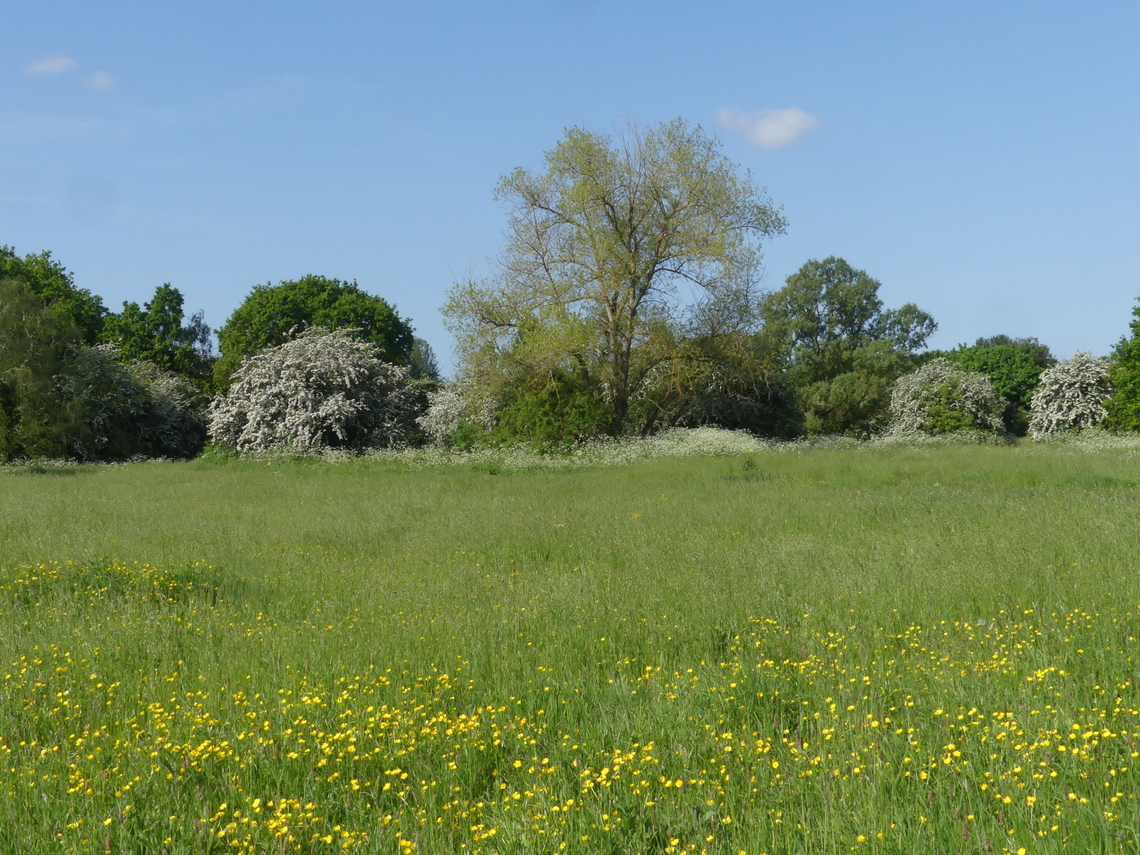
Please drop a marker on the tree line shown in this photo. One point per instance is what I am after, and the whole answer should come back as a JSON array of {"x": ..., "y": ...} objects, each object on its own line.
[{"x": 627, "y": 298}]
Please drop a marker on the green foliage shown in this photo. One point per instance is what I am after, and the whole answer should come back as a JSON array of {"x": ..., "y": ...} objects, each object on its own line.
[
  {"x": 551, "y": 411},
  {"x": 50, "y": 281},
  {"x": 157, "y": 333},
  {"x": 940, "y": 398},
  {"x": 1035, "y": 350},
  {"x": 60, "y": 398},
  {"x": 1013, "y": 366},
  {"x": 422, "y": 364},
  {"x": 603, "y": 247},
  {"x": 733, "y": 388},
  {"x": 37, "y": 343},
  {"x": 109, "y": 405},
  {"x": 1124, "y": 373},
  {"x": 841, "y": 349},
  {"x": 271, "y": 314},
  {"x": 120, "y": 411}
]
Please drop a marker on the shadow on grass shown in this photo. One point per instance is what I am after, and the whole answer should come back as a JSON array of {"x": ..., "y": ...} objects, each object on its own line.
[{"x": 45, "y": 469}]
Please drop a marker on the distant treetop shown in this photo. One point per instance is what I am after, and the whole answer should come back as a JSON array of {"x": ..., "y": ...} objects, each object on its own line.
[
  {"x": 55, "y": 287},
  {"x": 273, "y": 314}
]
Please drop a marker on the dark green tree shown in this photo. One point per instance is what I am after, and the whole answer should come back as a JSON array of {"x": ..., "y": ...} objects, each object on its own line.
[
  {"x": 1124, "y": 373},
  {"x": 736, "y": 388},
  {"x": 50, "y": 281},
  {"x": 422, "y": 362},
  {"x": 841, "y": 349},
  {"x": 1013, "y": 366},
  {"x": 37, "y": 342},
  {"x": 1037, "y": 351},
  {"x": 273, "y": 314},
  {"x": 158, "y": 332}
]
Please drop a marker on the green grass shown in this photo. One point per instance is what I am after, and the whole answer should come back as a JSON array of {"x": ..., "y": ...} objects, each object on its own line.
[{"x": 795, "y": 636}]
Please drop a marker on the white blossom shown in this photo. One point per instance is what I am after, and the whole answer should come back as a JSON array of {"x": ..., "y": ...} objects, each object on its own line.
[
  {"x": 1070, "y": 396},
  {"x": 323, "y": 389},
  {"x": 942, "y": 398},
  {"x": 446, "y": 411}
]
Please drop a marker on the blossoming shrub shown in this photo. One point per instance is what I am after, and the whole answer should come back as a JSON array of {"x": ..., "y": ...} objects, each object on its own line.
[
  {"x": 1070, "y": 396},
  {"x": 445, "y": 413},
  {"x": 455, "y": 417},
  {"x": 941, "y": 398},
  {"x": 323, "y": 389},
  {"x": 175, "y": 425},
  {"x": 107, "y": 405}
]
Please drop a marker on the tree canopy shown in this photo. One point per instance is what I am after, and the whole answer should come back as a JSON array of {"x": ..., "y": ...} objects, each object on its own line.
[
  {"x": 1124, "y": 373},
  {"x": 157, "y": 332},
  {"x": 617, "y": 253},
  {"x": 272, "y": 314},
  {"x": 841, "y": 349},
  {"x": 55, "y": 287},
  {"x": 1014, "y": 367}
]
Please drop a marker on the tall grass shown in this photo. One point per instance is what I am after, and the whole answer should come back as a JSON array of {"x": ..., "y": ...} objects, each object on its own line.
[{"x": 774, "y": 650}]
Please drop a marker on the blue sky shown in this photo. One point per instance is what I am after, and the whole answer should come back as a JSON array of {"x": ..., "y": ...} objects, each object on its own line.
[{"x": 978, "y": 159}]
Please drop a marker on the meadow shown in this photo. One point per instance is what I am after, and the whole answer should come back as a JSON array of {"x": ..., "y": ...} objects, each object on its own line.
[{"x": 796, "y": 650}]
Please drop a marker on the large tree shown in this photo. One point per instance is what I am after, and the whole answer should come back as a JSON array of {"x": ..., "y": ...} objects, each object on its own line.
[
  {"x": 37, "y": 343},
  {"x": 613, "y": 251},
  {"x": 158, "y": 332},
  {"x": 274, "y": 314},
  {"x": 55, "y": 288},
  {"x": 841, "y": 349}
]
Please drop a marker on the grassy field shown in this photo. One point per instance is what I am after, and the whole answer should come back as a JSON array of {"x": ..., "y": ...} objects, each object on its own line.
[{"x": 817, "y": 651}]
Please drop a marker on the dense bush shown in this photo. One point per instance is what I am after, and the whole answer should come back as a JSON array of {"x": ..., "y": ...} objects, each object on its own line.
[
  {"x": 175, "y": 424},
  {"x": 108, "y": 404},
  {"x": 1070, "y": 396},
  {"x": 1013, "y": 366},
  {"x": 324, "y": 389},
  {"x": 446, "y": 411},
  {"x": 457, "y": 417},
  {"x": 941, "y": 398},
  {"x": 550, "y": 409},
  {"x": 117, "y": 411},
  {"x": 725, "y": 396}
]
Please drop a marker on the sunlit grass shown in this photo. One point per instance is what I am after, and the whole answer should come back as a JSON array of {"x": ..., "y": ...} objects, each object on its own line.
[{"x": 812, "y": 650}]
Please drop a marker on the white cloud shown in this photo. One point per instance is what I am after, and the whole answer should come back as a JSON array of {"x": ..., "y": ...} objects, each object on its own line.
[
  {"x": 769, "y": 128},
  {"x": 101, "y": 80},
  {"x": 57, "y": 63}
]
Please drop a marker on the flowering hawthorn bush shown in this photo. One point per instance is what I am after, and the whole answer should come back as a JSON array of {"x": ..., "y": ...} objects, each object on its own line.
[
  {"x": 447, "y": 410},
  {"x": 323, "y": 389},
  {"x": 176, "y": 422},
  {"x": 941, "y": 398},
  {"x": 1070, "y": 396}
]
